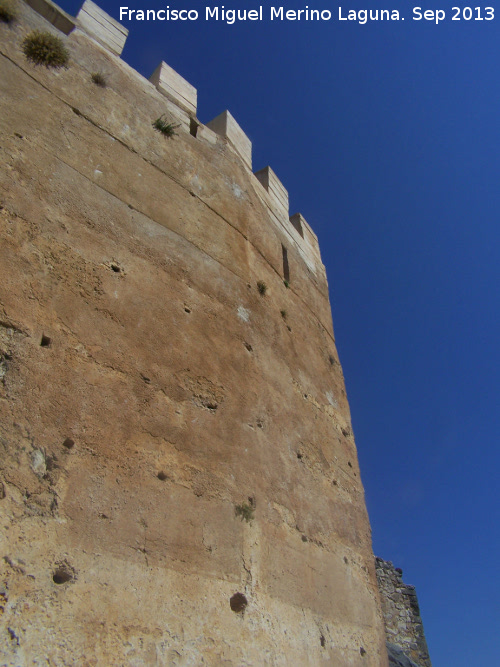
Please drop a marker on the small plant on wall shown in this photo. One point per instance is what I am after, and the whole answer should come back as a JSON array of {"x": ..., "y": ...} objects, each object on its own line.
[
  {"x": 262, "y": 287},
  {"x": 8, "y": 11},
  {"x": 99, "y": 79},
  {"x": 167, "y": 129},
  {"x": 245, "y": 511},
  {"x": 44, "y": 48}
]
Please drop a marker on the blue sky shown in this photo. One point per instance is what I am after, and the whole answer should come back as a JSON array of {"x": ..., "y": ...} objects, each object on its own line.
[{"x": 387, "y": 137}]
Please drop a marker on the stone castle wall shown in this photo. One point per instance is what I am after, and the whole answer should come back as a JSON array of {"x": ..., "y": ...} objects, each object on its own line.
[
  {"x": 179, "y": 482},
  {"x": 403, "y": 624}
]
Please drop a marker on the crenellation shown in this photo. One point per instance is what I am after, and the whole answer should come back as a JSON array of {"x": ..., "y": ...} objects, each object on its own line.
[
  {"x": 274, "y": 187},
  {"x": 111, "y": 34},
  {"x": 307, "y": 239},
  {"x": 226, "y": 126},
  {"x": 175, "y": 87},
  {"x": 102, "y": 27}
]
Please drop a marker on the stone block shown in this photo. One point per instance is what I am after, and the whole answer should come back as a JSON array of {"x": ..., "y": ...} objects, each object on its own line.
[
  {"x": 174, "y": 86},
  {"x": 206, "y": 134},
  {"x": 226, "y": 126},
  {"x": 274, "y": 187},
  {"x": 99, "y": 25}
]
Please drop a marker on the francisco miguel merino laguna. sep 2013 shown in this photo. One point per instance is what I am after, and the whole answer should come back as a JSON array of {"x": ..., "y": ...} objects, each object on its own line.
[
  {"x": 361, "y": 16},
  {"x": 231, "y": 16}
]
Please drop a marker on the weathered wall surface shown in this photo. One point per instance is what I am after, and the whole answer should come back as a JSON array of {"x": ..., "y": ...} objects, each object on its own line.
[
  {"x": 147, "y": 389},
  {"x": 404, "y": 628}
]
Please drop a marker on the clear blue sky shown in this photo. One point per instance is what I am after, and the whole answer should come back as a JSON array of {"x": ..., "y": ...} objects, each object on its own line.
[{"x": 387, "y": 137}]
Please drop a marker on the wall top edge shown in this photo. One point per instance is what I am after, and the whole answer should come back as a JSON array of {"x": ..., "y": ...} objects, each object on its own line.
[{"x": 222, "y": 124}]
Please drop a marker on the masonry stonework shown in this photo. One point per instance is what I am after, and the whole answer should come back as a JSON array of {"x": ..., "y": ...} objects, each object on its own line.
[
  {"x": 179, "y": 482},
  {"x": 403, "y": 625}
]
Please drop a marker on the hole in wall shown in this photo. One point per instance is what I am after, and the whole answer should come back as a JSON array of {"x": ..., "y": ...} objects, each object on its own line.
[
  {"x": 249, "y": 347},
  {"x": 331, "y": 359},
  {"x": 299, "y": 456},
  {"x": 186, "y": 309},
  {"x": 362, "y": 651},
  {"x": 238, "y": 603},
  {"x": 114, "y": 267},
  {"x": 286, "y": 266},
  {"x": 346, "y": 561},
  {"x": 322, "y": 641},
  {"x": 46, "y": 341},
  {"x": 63, "y": 574},
  {"x": 304, "y": 538},
  {"x": 193, "y": 127},
  {"x": 349, "y": 464},
  {"x": 69, "y": 443},
  {"x": 162, "y": 475},
  {"x": 13, "y": 636}
]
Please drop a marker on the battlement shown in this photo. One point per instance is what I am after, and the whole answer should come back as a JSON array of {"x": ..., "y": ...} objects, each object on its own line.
[
  {"x": 226, "y": 126},
  {"x": 102, "y": 27},
  {"x": 175, "y": 87},
  {"x": 112, "y": 35}
]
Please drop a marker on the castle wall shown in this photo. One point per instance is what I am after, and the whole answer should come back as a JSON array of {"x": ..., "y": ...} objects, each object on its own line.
[
  {"x": 150, "y": 392},
  {"x": 403, "y": 625}
]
